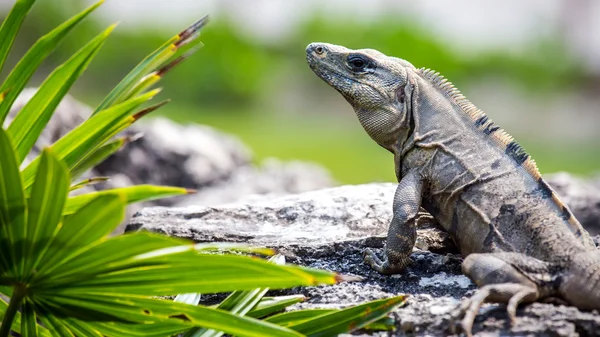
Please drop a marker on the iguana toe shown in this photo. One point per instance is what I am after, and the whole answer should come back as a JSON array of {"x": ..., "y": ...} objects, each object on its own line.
[
  {"x": 526, "y": 294},
  {"x": 513, "y": 293},
  {"x": 374, "y": 261},
  {"x": 383, "y": 266}
]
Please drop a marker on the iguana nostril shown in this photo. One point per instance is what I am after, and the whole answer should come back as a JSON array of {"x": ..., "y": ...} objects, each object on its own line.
[{"x": 317, "y": 49}]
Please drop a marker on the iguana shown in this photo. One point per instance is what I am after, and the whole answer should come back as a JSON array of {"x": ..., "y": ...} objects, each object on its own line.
[{"x": 521, "y": 243}]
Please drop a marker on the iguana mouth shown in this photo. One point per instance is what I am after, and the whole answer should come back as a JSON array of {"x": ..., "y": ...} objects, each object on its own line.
[
  {"x": 319, "y": 63},
  {"x": 334, "y": 78},
  {"x": 323, "y": 70}
]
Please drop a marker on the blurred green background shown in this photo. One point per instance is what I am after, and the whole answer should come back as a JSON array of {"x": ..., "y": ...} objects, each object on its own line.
[{"x": 258, "y": 87}]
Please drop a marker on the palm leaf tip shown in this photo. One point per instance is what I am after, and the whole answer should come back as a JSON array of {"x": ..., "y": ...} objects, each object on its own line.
[
  {"x": 87, "y": 182},
  {"x": 132, "y": 138},
  {"x": 190, "y": 191},
  {"x": 166, "y": 68},
  {"x": 347, "y": 278},
  {"x": 191, "y": 32},
  {"x": 149, "y": 109}
]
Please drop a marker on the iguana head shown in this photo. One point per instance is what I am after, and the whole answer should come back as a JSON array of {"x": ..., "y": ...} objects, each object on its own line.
[{"x": 378, "y": 87}]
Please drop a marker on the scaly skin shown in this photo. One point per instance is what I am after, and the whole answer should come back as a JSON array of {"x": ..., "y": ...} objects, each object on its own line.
[{"x": 520, "y": 242}]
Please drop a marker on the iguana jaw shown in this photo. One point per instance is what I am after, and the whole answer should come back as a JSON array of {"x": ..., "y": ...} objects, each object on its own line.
[
  {"x": 326, "y": 61},
  {"x": 378, "y": 92}
]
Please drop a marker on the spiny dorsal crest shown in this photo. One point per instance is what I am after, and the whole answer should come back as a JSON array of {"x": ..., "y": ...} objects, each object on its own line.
[
  {"x": 503, "y": 139},
  {"x": 483, "y": 123}
]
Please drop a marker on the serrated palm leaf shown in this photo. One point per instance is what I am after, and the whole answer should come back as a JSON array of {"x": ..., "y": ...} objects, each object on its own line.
[
  {"x": 167, "y": 328},
  {"x": 166, "y": 271},
  {"x": 33, "y": 117},
  {"x": 10, "y": 28},
  {"x": 48, "y": 196},
  {"x": 347, "y": 320},
  {"x": 29, "y": 326},
  {"x": 238, "y": 303},
  {"x": 28, "y": 64},
  {"x": 13, "y": 208},
  {"x": 96, "y": 219},
  {"x": 79, "y": 142},
  {"x": 155, "y": 60},
  {"x": 98, "y": 279},
  {"x": 130, "y": 194},
  {"x": 99, "y": 155},
  {"x": 17, "y": 323},
  {"x": 271, "y": 305},
  {"x": 134, "y": 310}
]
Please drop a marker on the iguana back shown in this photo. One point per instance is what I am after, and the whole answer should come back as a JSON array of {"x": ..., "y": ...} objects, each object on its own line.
[
  {"x": 469, "y": 174},
  {"x": 482, "y": 186}
]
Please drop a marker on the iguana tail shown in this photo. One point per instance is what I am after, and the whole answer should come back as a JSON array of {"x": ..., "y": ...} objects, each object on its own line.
[{"x": 580, "y": 283}]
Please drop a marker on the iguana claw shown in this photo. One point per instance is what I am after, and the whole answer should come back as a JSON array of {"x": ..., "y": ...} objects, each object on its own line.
[
  {"x": 384, "y": 266},
  {"x": 513, "y": 293},
  {"x": 375, "y": 262}
]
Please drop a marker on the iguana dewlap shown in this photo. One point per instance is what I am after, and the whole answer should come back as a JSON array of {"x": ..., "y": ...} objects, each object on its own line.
[{"x": 520, "y": 242}]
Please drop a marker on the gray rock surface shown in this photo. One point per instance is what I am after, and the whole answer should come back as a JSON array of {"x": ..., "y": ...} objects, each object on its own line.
[
  {"x": 321, "y": 217},
  {"x": 330, "y": 228}
]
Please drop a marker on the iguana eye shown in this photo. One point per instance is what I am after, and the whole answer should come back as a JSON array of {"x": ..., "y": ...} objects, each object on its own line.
[{"x": 357, "y": 62}]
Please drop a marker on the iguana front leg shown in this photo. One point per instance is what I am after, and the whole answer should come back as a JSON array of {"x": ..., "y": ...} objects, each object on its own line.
[{"x": 402, "y": 232}]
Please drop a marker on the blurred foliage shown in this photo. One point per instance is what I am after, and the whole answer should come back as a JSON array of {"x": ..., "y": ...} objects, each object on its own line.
[
  {"x": 235, "y": 69},
  {"x": 343, "y": 147},
  {"x": 237, "y": 81},
  {"x": 538, "y": 66}
]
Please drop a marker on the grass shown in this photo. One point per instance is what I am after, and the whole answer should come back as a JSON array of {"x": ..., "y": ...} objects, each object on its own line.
[{"x": 342, "y": 146}]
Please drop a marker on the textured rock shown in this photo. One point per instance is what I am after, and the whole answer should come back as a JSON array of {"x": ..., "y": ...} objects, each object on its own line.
[
  {"x": 340, "y": 214},
  {"x": 330, "y": 228}
]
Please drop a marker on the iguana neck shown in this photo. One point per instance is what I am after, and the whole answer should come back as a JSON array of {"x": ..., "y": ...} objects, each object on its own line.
[{"x": 430, "y": 110}]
